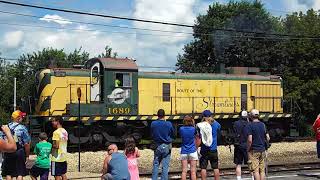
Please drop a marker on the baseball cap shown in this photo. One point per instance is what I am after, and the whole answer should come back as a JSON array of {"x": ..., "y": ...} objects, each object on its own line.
[
  {"x": 206, "y": 113},
  {"x": 16, "y": 114},
  {"x": 244, "y": 113},
  {"x": 254, "y": 112}
]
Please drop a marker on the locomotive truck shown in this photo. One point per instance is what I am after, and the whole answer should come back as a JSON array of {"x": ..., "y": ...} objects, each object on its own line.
[{"x": 117, "y": 100}]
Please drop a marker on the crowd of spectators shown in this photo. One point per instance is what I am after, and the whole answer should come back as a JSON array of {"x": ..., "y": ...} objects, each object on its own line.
[{"x": 198, "y": 147}]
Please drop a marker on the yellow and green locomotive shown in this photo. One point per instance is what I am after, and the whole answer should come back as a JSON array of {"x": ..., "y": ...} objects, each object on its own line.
[{"x": 117, "y": 100}]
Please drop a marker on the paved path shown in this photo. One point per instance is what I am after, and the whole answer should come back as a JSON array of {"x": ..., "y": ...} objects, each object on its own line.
[{"x": 284, "y": 176}]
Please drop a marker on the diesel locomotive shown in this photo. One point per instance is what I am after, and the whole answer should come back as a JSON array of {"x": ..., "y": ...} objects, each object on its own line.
[{"x": 117, "y": 100}]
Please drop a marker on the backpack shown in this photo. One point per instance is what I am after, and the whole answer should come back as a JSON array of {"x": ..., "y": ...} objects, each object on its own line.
[
  {"x": 205, "y": 131},
  {"x": 238, "y": 135},
  {"x": 15, "y": 137}
]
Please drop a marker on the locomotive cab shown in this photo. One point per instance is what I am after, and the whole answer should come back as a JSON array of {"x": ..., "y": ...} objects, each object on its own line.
[{"x": 117, "y": 87}]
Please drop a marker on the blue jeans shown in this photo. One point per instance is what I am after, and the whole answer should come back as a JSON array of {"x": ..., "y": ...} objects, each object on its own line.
[{"x": 161, "y": 155}]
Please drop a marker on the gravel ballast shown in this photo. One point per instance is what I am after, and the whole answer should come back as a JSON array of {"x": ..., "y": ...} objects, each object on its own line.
[{"x": 293, "y": 152}]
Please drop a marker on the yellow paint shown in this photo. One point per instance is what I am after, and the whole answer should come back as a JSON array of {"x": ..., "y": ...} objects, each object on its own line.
[
  {"x": 109, "y": 118},
  {"x": 85, "y": 118},
  {"x": 144, "y": 117},
  {"x": 59, "y": 90},
  {"x": 73, "y": 118},
  {"x": 195, "y": 96},
  {"x": 187, "y": 95}
]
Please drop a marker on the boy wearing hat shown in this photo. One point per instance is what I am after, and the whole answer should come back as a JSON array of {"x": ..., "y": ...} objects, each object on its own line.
[
  {"x": 42, "y": 163},
  {"x": 240, "y": 145},
  {"x": 14, "y": 164},
  {"x": 59, "y": 149},
  {"x": 209, "y": 150},
  {"x": 257, "y": 138}
]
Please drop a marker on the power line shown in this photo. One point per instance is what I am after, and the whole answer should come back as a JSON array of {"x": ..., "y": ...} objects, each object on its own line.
[
  {"x": 215, "y": 36},
  {"x": 115, "y": 26},
  {"x": 95, "y": 14},
  {"x": 142, "y": 66},
  {"x": 147, "y": 21},
  {"x": 8, "y": 59},
  {"x": 90, "y": 23},
  {"x": 89, "y": 30}
]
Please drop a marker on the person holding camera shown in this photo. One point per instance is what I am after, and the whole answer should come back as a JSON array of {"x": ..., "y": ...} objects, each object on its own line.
[
  {"x": 240, "y": 144},
  {"x": 14, "y": 164},
  {"x": 258, "y": 140},
  {"x": 7, "y": 143}
]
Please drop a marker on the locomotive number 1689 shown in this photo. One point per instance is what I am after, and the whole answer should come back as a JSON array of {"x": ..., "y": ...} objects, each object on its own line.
[{"x": 119, "y": 110}]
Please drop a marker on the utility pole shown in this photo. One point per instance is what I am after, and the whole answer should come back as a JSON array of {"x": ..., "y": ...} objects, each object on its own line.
[
  {"x": 15, "y": 94},
  {"x": 79, "y": 123}
]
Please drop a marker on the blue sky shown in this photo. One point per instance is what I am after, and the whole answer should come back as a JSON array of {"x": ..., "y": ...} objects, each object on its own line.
[{"x": 148, "y": 48}]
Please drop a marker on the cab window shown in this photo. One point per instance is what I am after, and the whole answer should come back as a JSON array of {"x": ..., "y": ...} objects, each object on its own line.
[{"x": 123, "y": 80}]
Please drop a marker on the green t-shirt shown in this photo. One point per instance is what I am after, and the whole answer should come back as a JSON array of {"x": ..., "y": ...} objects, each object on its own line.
[{"x": 43, "y": 151}]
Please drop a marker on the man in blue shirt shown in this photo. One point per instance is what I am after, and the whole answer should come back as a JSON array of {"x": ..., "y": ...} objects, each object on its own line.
[
  {"x": 162, "y": 133},
  {"x": 257, "y": 140},
  {"x": 240, "y": 145},
  {"x": 210, "y": 153},
  {"x": 115, "y": 165}
]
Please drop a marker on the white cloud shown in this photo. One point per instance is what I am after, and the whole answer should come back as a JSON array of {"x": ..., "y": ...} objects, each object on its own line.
[
  {"x": 55, "y": 18},
  {"x": 301, "y": 5},
  {"x": 162, "y": 48},
  {"x": 158, "y": 49},
  {"x": 12, "y": 39},
  {"x": 93, "y": 42},
  {"x": 179, "y": 11}
]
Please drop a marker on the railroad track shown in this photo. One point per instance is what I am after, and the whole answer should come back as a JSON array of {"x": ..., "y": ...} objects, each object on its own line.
[
  {"x": 229, "y": 171},
  {"x": 298, "y": 139},
  {"x": 74, "y": 148}
]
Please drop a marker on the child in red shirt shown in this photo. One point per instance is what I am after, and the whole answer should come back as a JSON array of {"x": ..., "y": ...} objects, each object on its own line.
[{"x": 316, "y": 129}]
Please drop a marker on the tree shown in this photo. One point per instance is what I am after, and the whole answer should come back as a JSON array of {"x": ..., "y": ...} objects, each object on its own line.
[
  {"x": 212, "y": 45},
  {"x": 302, "y": 61},
  {"x": 288, "y": 47},
  {"x": 26, "y": 68},
  {"x": 108, "y": 53}
]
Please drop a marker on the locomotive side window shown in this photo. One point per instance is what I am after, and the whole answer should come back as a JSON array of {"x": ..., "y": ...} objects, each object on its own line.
[
  {"x": 123, "y": 80},
  {"x": 244, "y": 96},
  {"x": 166, "y": 92}
]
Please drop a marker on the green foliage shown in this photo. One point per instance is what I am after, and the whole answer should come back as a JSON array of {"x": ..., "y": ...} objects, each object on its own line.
[
  {"x": 305, "y": 129},
  {"x": 212, "y": 46},
  {"x": 108, "y": 53},
  {"x": 297, "y": 60}
]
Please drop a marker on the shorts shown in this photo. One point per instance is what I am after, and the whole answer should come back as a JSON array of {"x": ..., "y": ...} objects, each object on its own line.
[
  {"x": 58, "y": 168},
  {"x": 190, "y": 156},
  {"x": 14, "y": 164},
  {"x": 240, "y": 156},
  {"x": 257, "y": 160},
  {"x": 107, "y": 176},
  {"x": 42, "y": 172},
  {"x": 318, "y": 149},
  {"x": 211, "y": 156}
]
